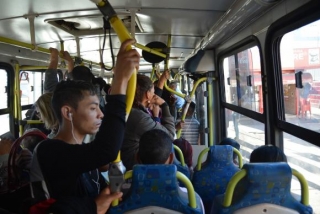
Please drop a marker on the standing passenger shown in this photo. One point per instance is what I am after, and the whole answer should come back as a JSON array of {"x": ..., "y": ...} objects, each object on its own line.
[
  {"x": 190, "y": 127},
  {"x": 69, "y": 167},
  {"x": 140, "y": 120}
]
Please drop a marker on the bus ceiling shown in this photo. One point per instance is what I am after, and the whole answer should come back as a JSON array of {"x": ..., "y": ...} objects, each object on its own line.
[{"x": 46, "y": 24}]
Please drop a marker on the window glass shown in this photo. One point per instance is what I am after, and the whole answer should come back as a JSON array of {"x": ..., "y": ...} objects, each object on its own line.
[
  {"x": 247, "y": 132},
  {"x": 305, "y": 158},
  {"x": 230, "y": 80},
  {"x": 4, "y": 124},
  {"x": 299, "y": 51},
  {"x": 3, "y": 89},
  {"x": 30, "y": 86},
  {"x": 242, "y": 73}
]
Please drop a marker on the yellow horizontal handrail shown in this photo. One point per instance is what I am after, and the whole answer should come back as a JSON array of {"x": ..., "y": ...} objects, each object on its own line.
[{"x": 34, "y": 48}]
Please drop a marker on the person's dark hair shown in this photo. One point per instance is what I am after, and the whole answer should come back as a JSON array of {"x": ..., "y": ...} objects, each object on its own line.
[
  {"x": 70, "y": 93},
  {"x": 186, "y": 149},
  {"x": 99, "y": 81},
  {"x": 267, "y": 153},
  {"x": 155, "y": 147},
  {"x": 81, "y": 73},
  {"x": 231, "y": 142},
  {"x": 144, "y": 84}
]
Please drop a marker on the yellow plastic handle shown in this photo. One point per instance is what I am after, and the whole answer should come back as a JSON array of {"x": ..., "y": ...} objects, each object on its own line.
[{"x": 180, "y": 155}]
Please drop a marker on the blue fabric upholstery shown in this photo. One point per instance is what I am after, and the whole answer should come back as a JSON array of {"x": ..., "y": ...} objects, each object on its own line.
[
  {"x": 264, "y": 183},
  {"x": 155, "y": 185},
  {"x": 215, "y": 175}
]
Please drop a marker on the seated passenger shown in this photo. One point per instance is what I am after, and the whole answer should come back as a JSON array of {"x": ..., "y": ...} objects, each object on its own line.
[
  {"x": 31, "y": 142},
  {"x": 22, "y": 162},
  {"x": 155, "y": 147},
  {"x": 186, "y": 149},
  {"x": 140, "y": 121},
  {"x": 66, "y": 166},
  {"x": 233, "y": 143},
  {"x": 190, "y": 126},
  {"x": 267, "y": 153}
]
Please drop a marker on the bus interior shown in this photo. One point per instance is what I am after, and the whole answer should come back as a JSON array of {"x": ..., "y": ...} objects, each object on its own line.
[{"x": 258, "y": 62}]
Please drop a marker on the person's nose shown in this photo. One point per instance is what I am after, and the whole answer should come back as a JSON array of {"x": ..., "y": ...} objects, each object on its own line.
[{"x": 100, "y": 114}]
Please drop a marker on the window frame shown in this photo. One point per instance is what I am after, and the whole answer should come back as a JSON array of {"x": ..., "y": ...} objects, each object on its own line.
[
  {"x": 245, "y": 44},
  {"x": 296, "y": 19},
  {"x": 10, "y": 93}
]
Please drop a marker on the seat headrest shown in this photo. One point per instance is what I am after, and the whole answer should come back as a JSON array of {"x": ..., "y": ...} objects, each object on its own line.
[
  {"x": 220, "y": 155},
  {"x": 271, "y": 180},
  {"x": 272, "y": 174},
  {"x": 148, "y": 177}
]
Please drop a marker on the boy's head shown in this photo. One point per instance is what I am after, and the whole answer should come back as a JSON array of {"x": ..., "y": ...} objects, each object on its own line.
[
  {"x": 155, "y": 147},
  {"x": 77, "y": 102},
  {"x": 267, "y": 153}
]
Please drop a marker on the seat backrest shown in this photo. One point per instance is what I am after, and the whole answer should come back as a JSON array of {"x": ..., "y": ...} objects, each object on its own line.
[
  {"x": 212, "y": 179},
  {"x": 15, "y": 179},
  {"x": 155, "y": 189},
  {"x": 262, "y": 186}
]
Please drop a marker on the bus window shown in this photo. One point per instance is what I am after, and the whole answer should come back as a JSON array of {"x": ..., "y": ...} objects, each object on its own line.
[
  {"x": 299, "y": 51},
  {"x": 305, "y": 158},
  {"x": 3, "y": 89},
  {"x": 242, "y": 79},
  {"x": 4, "y": 118},
  {"x": 247, "y": 132},
  {"x": 30, "y": 86},
  {"x": 5, "y": 124}
]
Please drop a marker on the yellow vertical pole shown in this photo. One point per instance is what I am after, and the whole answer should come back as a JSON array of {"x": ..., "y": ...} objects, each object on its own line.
[
  {"x": 124, "y": 35},
  {"x": 210, "y": 113},
  {"x": 17, "y": 98}
]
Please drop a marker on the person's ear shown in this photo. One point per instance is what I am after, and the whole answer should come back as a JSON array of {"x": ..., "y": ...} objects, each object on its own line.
[
  {"x": 170, "y": 158},
  {"x": 66, "y": 113},
  {"x": 148, "y": 95}
]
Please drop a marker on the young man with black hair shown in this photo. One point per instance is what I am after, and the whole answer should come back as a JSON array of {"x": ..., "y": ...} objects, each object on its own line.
[{"x": 69, "y": 167}]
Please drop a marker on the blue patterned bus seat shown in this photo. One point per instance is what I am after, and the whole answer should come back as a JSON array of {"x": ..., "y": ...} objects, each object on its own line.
[
  {"x": 215, "y": 175},
  {"x": 155, "y": 186},
  {"x": 265, "y": 183}
]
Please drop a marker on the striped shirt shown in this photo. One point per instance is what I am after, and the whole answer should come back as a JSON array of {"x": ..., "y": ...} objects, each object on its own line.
[{"x": 190, "y": 130}]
